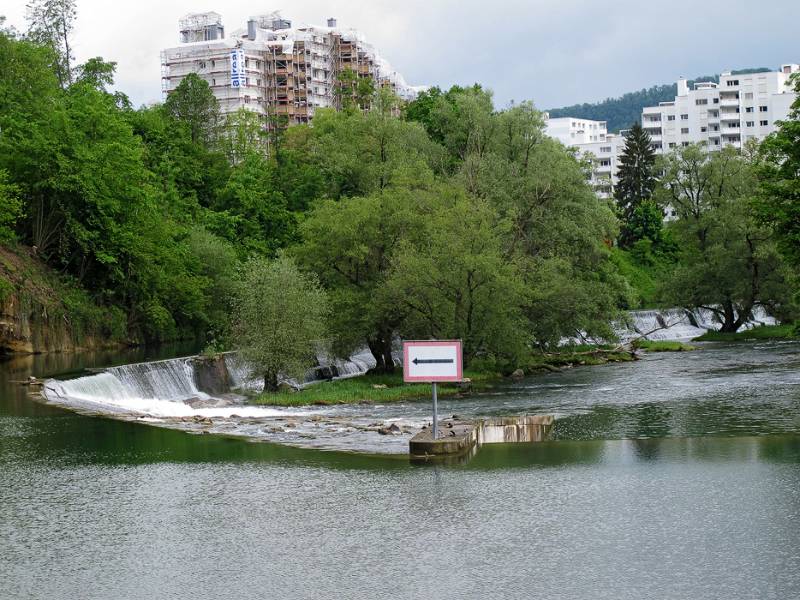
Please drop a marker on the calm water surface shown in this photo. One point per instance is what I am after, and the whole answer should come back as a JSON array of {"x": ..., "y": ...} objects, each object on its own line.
[{"x": 674, "y": 477}]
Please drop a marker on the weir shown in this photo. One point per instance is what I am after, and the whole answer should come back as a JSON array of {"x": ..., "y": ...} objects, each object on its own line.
[
  {"x": 458, "y": 439},
  {"x": 679, "y": 324}
]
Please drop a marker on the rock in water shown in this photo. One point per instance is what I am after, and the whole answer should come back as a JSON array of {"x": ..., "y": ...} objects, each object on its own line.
[
  {"x": 393, "y": 429},
  {"x": 518, "y": 374}
]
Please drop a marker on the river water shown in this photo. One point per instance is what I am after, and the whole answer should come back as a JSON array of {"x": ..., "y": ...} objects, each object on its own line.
[{"x": 677, "y": 476}]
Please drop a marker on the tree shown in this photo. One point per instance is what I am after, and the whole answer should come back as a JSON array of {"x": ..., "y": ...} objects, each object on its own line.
[
  {"x": 50, "y": 23},
  {"x": 10, "y": 208},
  {"x": 280, "y": 319},
  {"x": 635, "y": 188},
  {"x": 455, "y": 282},
  {"x": 194, "y": 106},
  {"x": 779, "y": 197},
  {"x": 349, "y": 244},
  {"x": 559, "y": 230},
  {"x": 251, "y": 211},
  {"x": 728, "y": 261},
  {"x": 244, "y": 133}
]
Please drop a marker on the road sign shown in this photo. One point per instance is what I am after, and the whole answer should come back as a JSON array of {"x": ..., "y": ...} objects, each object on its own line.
[{"x": 432, "y": 361}]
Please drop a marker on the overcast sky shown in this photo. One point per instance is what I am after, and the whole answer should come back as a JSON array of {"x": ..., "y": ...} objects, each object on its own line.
[{"x": 554, "y": 52}]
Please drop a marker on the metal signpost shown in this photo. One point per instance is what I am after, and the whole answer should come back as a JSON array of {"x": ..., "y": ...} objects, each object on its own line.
[{"x": 432, "y": 361}]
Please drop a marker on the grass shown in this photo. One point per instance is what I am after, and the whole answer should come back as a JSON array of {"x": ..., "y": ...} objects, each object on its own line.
[
  {"x": 765, "y": 332},
  {"x": 368, "y": 388},
  {"x": 663, "y": 346}
]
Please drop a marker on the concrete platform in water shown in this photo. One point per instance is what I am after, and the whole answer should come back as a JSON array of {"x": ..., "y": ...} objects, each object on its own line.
[{"x": 461, "y": 438}]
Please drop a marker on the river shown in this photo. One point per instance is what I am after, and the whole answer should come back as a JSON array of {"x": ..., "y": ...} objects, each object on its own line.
[{"x": 675, "y": 476}]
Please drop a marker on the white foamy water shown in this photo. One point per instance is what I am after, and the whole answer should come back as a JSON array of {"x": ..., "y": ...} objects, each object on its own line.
[
  {"x": 156, "y": 389},
  {"x": 679, "y": 324}
]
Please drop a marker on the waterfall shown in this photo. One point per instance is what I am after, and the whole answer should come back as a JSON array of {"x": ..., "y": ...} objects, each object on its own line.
[
  {"x": 679, "y": 324},
  {"x": 160, "y": 389},
  {"x": 327, "y": 368}
]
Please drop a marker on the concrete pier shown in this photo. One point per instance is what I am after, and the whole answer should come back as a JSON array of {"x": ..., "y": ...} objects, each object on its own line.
[{"x": 463, "y": 438}]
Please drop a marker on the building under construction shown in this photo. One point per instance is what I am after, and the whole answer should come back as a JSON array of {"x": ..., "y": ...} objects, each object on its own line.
[{"x": 274, "y": 69}]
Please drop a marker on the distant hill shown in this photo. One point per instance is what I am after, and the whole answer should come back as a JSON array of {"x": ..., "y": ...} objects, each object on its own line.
[{"x": 621, "y": 113}]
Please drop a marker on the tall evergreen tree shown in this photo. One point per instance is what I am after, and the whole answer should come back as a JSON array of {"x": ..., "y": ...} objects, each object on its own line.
[{"x": 634, "y": 190}]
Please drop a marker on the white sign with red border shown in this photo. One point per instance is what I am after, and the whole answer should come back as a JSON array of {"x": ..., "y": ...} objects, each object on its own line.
[{"x": 432, "y": 361}]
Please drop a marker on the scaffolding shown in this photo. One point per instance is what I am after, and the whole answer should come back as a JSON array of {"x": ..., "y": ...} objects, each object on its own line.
[
  {"x": 201, "y": 27},
  {"x": 288, "y": 71}
]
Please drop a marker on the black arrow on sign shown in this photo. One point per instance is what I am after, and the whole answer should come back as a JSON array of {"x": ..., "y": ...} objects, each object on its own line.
[{"x": 432, "y": 361}]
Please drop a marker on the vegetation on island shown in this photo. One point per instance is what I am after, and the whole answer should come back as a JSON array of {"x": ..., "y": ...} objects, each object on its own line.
[
  {"x": 765, "y": 332},
  {"x": 445, "y": 217}
]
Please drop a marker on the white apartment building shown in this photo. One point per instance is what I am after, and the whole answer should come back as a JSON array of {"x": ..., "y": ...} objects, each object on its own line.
[
  {"x": 740, "y": 108},
  {"x": 593, "y": 142},
  {"x": 271, "y": 67}
]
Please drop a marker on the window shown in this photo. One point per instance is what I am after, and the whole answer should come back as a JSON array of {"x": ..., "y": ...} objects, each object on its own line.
[
  {"x": 763, "y": 123},
  {"x": 247, "y": 99},
  {"x": 684, "y": 117},
  {"x": 748, "y": 95},
  {"x": 202, "y": 64},
  {"x": 732, "y": 82},
  {"x": 684, "y": 144},
  {"x": 213, "y": 82},
  {"x": 684, "y": 130},
  {"x": 748, "y": 109},
  {"x": 213, "y": 64},
  {"x": 701, "y": 101},
  {"x": 716, "y": 100},
  {"x": 670, "y": 117},
  {"x": 749, "y": 124},
  {"x": 703, "y": 129},
  {"x": 672, "y": 144},
  {"x": 605, "y": 148},
  {"x": 246, "y": 63},
  {"x": 605, "y": 163},
  {"x": 763, "y": 109}
]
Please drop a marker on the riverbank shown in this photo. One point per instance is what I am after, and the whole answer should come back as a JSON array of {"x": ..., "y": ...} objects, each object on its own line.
[{"x": 765, "y": 332}]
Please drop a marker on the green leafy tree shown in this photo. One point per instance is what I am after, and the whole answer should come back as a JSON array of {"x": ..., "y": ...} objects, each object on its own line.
[
  {"x": 634, "y": 190},
  {"x": 194, "y": 106},
  {"x": 244, "y": 132},
  {"x": 350, "y": 244},
  {"x": 251, "y": 211},
  {"x": 779, "y": 197},
  {"x": 559, "y": 231},
  {"x": 280, "y": 319},
  {"x": 455, "y": 282},
  {"x": 729, "y": 262},
  {"x": 359, "y": 153},
  {"x": 10, "y": 208},
  {"x": 50, "y": 24}
]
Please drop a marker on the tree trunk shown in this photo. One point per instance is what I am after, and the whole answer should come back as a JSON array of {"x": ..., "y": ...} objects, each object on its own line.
[
  {"x": 388, "y": 360},
  {"x": 381, "y": 348},
  {"x": 729, "y": 324},
  {"x": 270, "y": 382},
  {"x": 377, "y": 353}
]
